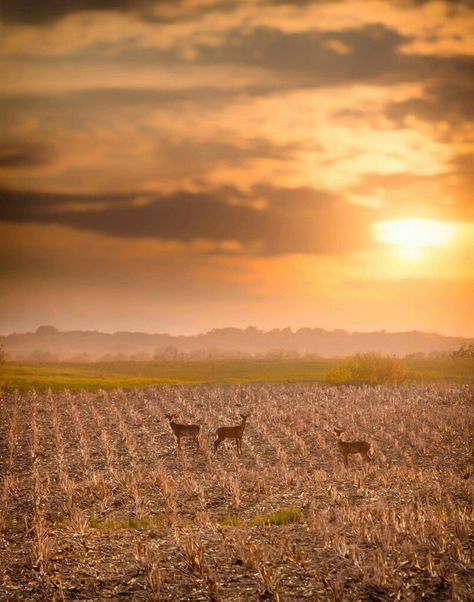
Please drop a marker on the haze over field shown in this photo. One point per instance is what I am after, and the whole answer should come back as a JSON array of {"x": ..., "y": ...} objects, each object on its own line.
[{"x": 178, "y": 166}]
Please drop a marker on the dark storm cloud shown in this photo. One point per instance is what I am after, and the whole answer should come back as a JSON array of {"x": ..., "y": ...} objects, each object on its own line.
[
  {"x": 449, "y": 100},
  {"x": 17, "y": 155},
  {"x": 316, "y": 2},
  {"x": 448, "y": 94},
  {"x": 467, "y": 3},
  {"x": 301, "y": 60},
  {"x": 83, "y": 107},
  {"x": 188, "y": 156},
  {"x": 80, "y": 106},
  {"x": 31, "y": 205},
  {"x": 304, "y": 57},
  {"x": 295, "y": 221},
  {"x": 45, "y": 11},
  {"x": 97, "y": 101},
  {"x": 371, "y": 52},
  {"x": 310, "y": 59}
]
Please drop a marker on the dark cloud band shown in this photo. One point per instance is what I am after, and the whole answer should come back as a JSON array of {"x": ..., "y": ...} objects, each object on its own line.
[
  {"x": 295, "y": 221},
  {"x": 45, "y": 11}
]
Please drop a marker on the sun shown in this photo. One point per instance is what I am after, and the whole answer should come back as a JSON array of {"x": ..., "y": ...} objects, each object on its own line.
[{"x": 412, "y": 235}]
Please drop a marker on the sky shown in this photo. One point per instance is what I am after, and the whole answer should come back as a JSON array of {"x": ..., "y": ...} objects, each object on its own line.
[{"x": 177, "y": 166}]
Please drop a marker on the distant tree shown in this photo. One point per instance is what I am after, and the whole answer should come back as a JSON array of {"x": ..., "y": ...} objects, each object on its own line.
[
  {"x": 169, "y": 353},
  {"x": 464, "y": 350},
  {"x": 280, "y": 353},
  {"x": 40, "y": 356},
  {"x": 2, "y": 354},
  {"x": 46, "y": 330}
]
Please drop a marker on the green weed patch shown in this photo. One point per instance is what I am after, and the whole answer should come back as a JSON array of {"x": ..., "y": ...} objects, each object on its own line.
[
  {"x": 283, "y": 516},
  {"x": 131, "y": 522}
]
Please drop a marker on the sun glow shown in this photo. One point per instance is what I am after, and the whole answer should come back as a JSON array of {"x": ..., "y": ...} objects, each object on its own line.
[{"x": 411, "y": 236}]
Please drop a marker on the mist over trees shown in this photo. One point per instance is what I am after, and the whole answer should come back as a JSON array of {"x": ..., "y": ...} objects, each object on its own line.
[
  {"x": 465, "y": 350},
  {"x": 48, "y": 344}
]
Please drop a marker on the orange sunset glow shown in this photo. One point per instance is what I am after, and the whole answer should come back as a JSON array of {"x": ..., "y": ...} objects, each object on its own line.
[{"x": 179, "y": 166}]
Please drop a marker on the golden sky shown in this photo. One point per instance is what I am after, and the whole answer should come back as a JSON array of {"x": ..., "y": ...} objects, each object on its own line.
[{"x": 176, "y": 166}]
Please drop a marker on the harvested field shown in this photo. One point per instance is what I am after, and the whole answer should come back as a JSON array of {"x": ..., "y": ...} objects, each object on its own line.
[{"x": 97, "y": 503}]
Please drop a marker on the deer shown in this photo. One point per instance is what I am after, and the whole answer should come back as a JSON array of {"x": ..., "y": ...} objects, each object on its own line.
[
  {"x": 231, "y": 432},
  {"x": 184, "y": 430},
  {"x": 352, "y": 447}
]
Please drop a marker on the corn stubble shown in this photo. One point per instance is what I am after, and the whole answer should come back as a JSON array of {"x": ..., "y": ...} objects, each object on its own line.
[{"x": 97, "y": 501}]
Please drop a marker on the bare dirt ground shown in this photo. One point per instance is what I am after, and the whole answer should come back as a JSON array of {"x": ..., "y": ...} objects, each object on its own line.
[{"x": 96, "y": 502}]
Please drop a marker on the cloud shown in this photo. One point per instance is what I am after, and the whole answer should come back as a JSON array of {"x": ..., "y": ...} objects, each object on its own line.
[
  {"x": 313, "y": 57},
  {"x": 31, "y": 11},
  {"x": 370, "y": 53},
  {"x": 461, "y": 185},
  {"x": 159, "y": 142},
  {"x": 467, "y": 3},
  {"x": 294, "y": 221},
  {"x": 30, "y": 205},
  {"x": 447, "y": 100},
  {"x": 445, "y": 196},
  {"x": 142, "y": 27},
  {"x": 17, "y": 155}
]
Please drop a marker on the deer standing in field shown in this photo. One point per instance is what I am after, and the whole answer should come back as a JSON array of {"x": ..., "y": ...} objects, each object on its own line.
[
  {"x": 352, "y": 447},
  {"x": 231, "y": 432},
  {"x": 191, "y": 431}
]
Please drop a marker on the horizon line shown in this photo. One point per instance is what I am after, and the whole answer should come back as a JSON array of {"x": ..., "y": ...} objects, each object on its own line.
[{"x": 243, "y": 329}]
